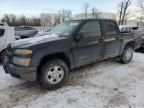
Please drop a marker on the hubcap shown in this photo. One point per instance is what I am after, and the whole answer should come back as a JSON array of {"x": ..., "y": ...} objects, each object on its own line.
[
  {"x": 55, "y": 74},
  {"x": 129, "y": 54}
]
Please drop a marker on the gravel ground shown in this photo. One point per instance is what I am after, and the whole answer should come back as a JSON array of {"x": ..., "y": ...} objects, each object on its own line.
[{"x": 103, "y": 85}]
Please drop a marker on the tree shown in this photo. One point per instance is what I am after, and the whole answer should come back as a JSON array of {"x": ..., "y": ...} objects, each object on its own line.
[
  {"x": 86, "y": 7},
  {"x": 65, "y": 14},
  {"x": 22, "y": 20},
  {"x": 57, "y": 19},
  {"x": 14, "y": 20},
  {"x": 123, "y": 11},
  {"x": 6, "y": 18},
  {"x": 141, "y": 10},
  {"x": 95, "y": 12}
]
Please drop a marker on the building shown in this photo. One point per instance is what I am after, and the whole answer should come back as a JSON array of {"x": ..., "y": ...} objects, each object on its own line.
[{"x": 48, "y": 19}]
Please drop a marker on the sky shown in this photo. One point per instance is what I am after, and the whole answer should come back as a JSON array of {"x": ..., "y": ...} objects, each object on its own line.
[{"x": 35, "y": 7}]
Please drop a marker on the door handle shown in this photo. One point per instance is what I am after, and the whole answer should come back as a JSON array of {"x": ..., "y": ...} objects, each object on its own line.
[{"x": 117, "y": 37}]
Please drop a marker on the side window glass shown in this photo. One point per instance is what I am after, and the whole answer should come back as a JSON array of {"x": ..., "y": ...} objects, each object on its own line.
[
  {"x": 2, "y": 31},
  {"x": 91, "y": 29},
  {"x": 110, "y": 28}
]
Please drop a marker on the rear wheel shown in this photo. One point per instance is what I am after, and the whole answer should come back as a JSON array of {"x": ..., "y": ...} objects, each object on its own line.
[
  {"x": 54, "y": 74},
  {"x": 127, "y": 55}
]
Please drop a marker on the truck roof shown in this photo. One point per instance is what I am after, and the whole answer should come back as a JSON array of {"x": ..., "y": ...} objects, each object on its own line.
[{"x": 92, "y": 19}]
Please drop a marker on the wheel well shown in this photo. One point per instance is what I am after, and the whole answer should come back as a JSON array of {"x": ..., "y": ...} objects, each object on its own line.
[
  {"x": 61, "y": 56},
  {"x": 2, "y": 52},
  {"x": 132, "y": 44}
]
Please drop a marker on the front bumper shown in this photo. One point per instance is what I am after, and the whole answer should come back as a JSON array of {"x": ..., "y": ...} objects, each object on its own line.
[{"x": 21, "y": 72}]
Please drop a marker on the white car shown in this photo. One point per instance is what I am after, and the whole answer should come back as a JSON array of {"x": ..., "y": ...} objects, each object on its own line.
[
  {"x": 130, "y": 29},
  {"x": 7, "y": 35}
]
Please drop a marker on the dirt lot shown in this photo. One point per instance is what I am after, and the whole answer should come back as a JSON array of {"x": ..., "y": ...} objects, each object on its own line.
[{"x": 104, "y": 85}]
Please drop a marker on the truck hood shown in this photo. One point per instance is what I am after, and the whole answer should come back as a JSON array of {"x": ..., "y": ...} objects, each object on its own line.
[{"x": 24, "y": 43}]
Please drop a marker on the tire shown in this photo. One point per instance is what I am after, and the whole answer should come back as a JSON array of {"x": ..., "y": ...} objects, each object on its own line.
[
  {"x": 127, "y": 55},
  {"x": 2, "y": 55},
  {"x": 54, "y": 74}
]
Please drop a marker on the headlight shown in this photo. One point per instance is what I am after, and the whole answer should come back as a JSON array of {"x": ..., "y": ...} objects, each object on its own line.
[
  {"x": 21, "y": 61},
  {"x": 23, "y": 51}
]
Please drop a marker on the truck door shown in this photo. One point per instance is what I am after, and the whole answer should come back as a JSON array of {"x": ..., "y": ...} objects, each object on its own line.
[
  {"x": 2, "y": 38},
  {"x": 90, "y": 47},
  {"x": 112, "y": 39}
]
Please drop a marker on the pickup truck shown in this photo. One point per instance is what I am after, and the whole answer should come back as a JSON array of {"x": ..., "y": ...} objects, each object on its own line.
[{"x": 48, "y": 59}]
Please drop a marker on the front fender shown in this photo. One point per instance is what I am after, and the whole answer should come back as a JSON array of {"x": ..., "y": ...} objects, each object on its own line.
[{"x": 39, "y": 55}]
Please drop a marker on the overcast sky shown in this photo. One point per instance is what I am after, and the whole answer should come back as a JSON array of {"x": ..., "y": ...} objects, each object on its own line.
[{"x": 35, "y": 7}]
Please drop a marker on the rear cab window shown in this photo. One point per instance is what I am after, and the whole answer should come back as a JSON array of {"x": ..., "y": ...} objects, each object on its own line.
[
  {"x": 91, "y": 29},
  {"x": 110, "y": 28}
]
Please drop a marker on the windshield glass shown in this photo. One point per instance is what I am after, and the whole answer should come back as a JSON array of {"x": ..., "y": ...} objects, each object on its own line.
[{"x": 65, "y": 28}]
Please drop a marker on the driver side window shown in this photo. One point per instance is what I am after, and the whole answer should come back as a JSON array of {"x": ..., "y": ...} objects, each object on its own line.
[
  {"x": 2, "y": 31},
  {"x": 91, "y": 29}
]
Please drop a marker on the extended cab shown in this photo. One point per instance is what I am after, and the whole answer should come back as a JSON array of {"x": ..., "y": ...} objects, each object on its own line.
[{"x": 49, "y": 58}]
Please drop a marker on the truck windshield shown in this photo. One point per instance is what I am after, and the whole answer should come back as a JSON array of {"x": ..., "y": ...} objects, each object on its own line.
[{"x": 65, "y": 28}]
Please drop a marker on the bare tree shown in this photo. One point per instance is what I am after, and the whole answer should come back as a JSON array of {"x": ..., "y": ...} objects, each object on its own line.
[
  {"x": 123, "y": 11},
  {"x": 14, "y": 20},
  {"x": 6, "y": 18},
  {"x": 141, "y": 11},
  {"x": 86, "y": 7},
  {"x": 22, "y": 20},
  {"x": 57, "y": 19},
  {"x": 95, "y": 12},
  {"x": 34, "y": 21},
  {"x": 65, "y": 14},
  {"x": 120, "y": 12}
]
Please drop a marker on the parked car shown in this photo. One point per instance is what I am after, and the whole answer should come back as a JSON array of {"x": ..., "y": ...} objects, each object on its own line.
[
  {"x": 3, "y": 24},
  {"x": 7, "y": 35},
  {"x": 25, "y": 32},
  {"x": 48, "y": 59}
]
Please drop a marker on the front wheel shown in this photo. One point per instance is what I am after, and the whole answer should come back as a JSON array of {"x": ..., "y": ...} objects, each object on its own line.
[
  {"x": 127, "y": 55},
  {"x": 2, "y": 56},
  {"x": 54, "y": 74}
]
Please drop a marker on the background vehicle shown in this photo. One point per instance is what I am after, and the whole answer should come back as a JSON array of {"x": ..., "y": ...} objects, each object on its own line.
[
  {"x": 25, "y": 32},
  {"x": 130, "y": 29},
  {"x": 3, "y": 24},
  {"x": 139, "y": 31},
  {"x": 7, "y": 35},
  {"x": 49, "y": 58}
]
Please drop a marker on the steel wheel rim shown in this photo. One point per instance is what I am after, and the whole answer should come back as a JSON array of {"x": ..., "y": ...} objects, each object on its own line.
[
  {"x": 129, "y": 54},
  {"x": 55, "y": 74}
]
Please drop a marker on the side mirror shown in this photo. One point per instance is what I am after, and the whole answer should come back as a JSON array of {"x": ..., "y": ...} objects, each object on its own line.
[{"x": 79, "y": 36}]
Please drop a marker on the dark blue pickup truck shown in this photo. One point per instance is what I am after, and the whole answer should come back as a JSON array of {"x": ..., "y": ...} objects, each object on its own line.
[{"x": 49, "y": 58}]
